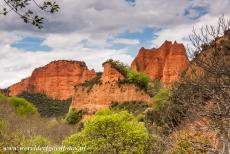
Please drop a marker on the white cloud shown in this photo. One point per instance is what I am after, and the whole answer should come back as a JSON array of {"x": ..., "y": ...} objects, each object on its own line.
[
  {"x": 181, "y": 32},
  {"x": 126, "y": 41}
]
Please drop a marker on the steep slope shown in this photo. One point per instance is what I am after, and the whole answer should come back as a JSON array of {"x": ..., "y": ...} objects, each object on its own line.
[
  {"x": 105, "y": 91},
  {"x": 164, "y": 63},
  {"x": 56, "y": 80}
]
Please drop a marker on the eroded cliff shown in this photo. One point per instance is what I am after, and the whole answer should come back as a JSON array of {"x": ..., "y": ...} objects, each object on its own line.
[
  {"x": 107, "y": 90},
  {"x": 56, "y": 80},
  {"x": 164, "y": 63}
]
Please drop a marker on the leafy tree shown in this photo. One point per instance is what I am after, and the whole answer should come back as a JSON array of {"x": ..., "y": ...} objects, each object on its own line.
[
  {"x": 22, "y": 106},
  {"x": 111, "y": 132},
  {"x": 74, "y": 116},
  {"x": 22, "y": 8},
  {"x": 161, "y": 97}
]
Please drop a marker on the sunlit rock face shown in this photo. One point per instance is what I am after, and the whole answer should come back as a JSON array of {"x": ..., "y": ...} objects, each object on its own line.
[
  {"x": 164, "y": 63},
  {"x": 102, "y": 95},
  {"x": 56, "y": 80}
]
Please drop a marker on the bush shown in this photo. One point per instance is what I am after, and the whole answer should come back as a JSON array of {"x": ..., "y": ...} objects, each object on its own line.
[
  {"x": 22, "y": 106},
  {"x": 110, "y": 132},
  {"x": 91, "y": 82},
  {"x": 141, "y": 117},
  {"x": 74, "y": 116},
  {"x": 139, "y": 79},
  {"x": 132, "y": 77},
  {"x": 161, "y": 97},
  {"x": 119, "y": 66},
  {"x": 48, "y": 107}
]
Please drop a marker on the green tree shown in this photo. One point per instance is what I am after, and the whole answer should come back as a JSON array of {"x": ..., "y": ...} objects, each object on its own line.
[
  {"x": 74, "y": 116},
  {"x": 23, "y": 9},
  {"x": 111, "y": 132},
  {"x": 22, "y": 106},
  {"x": 161, "y": 97}
]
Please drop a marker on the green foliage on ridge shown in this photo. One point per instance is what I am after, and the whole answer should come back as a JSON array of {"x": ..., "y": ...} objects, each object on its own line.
[
  {"x": 48, "y": 107},
  {"x": 131, "y": 77},
  {"x": 91, "y": 82}
]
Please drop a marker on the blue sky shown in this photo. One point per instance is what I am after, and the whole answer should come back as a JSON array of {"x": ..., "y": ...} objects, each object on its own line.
[
  {"x": 96, "y": 30},
  {"x": 31, "y": 44}
]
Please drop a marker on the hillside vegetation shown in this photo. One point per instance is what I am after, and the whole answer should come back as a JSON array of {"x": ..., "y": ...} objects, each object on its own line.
[
  {"x": 46, "y": 106},
  {"x": 21, "y": 125}
]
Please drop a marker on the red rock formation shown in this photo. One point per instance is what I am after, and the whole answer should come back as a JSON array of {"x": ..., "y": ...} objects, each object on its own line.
[
  {"x": 102, "y": 95},
  {"x": 164, "y": 63},
  {"x": 110, "y": 73},
  {"x": 56, "y": 80}
]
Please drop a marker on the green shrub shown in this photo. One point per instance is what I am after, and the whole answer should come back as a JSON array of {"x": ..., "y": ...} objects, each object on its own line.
[
  {"x": 119, "y": 66},
  {"x": 91, "y": 82},
  {"x": 132, "y": 77},
  {"x": 161, "y": 97},
  {"x": 22, "y": 106},
  {"x": 141, "y": 117},
  {"x": 74, "y": 116},
  {"x": 110, "y": 132},
  {"x": 139, "y": 79},
  {"x": 48, "y": 107}
]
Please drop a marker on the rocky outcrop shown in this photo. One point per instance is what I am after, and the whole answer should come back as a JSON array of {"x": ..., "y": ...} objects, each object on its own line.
[
  {"x": 109, "y": 90},
  {"x": 164, "y": 63},
  {"x": 111, "y": 74},
  {"x": 56, "y": 80}
]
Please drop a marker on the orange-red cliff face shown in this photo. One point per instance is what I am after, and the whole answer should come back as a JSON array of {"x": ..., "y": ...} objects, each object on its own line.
[
  {"x": 56, "y": 80},
  {"x": 164, "y": 63},
  {"x": 102, "y": 95}
]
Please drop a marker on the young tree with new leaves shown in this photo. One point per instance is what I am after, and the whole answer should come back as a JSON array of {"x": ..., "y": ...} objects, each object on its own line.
[{"x": 24, "y": 9}]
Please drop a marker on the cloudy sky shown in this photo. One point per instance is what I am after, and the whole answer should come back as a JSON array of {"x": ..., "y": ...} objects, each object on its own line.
[{"x": 96, "y": 30}]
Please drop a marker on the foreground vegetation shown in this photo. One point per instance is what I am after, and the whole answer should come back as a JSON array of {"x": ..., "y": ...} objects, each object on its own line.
[{"x": 21, "y": 125}]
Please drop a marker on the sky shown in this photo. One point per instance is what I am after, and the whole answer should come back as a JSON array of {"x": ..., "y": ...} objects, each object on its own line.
[{"x": 96, "y": 30}]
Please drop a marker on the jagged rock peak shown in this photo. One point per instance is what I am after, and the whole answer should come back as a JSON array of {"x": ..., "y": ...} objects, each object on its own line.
[{"x": 164, "y": 63}]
